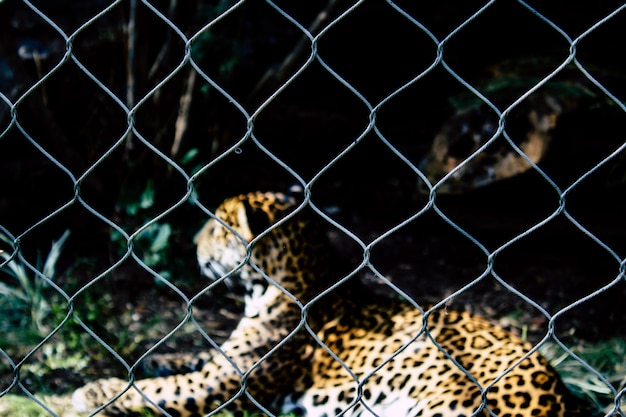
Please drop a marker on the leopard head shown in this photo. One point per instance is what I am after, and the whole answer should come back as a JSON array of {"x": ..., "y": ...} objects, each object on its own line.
[{"x": 266, "y": 266}]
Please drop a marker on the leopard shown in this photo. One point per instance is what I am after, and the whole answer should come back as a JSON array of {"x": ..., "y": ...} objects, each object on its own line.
[{"x": 315, "y": 343}]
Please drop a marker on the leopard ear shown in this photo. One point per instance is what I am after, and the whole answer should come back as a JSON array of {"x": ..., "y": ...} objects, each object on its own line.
[{"x": 258, "y": 220}]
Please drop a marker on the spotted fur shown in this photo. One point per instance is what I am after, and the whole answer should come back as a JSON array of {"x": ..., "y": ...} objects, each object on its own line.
[{"x": 323, "y": 353}]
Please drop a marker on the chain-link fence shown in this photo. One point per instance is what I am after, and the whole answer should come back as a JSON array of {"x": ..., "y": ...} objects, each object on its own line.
[{"x": 473, "y": 154}]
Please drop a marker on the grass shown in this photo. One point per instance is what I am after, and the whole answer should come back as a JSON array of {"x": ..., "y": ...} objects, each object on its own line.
[
  {"x": 24, "y": 300},
  {"x": 607, "y": 357},
  {"x": 18, "y": 405}
]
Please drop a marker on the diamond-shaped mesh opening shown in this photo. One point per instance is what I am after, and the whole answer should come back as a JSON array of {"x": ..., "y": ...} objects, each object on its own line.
[{"x": 464, "y": 167}]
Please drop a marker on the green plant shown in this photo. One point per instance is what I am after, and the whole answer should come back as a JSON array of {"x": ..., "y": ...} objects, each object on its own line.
[
  {"x": 22, "y": 299},
  {"x": 607, "y": 357},
  {"x": 56, "y": 356},
  {"x": 13, "y": 405},
  {"x": 152, "y": 244}
]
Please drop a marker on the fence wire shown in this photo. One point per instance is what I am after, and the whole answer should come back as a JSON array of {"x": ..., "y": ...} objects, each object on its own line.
[{"x": 48, "y": 50}]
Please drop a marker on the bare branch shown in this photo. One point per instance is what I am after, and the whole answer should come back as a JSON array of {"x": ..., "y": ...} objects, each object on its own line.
[
  {"x": 183, "y": 112},
  {"x": 277, "y": 75}
]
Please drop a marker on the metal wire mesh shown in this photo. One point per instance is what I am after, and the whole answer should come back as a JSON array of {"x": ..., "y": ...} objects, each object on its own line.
[{"x": 306, "y": 47}]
